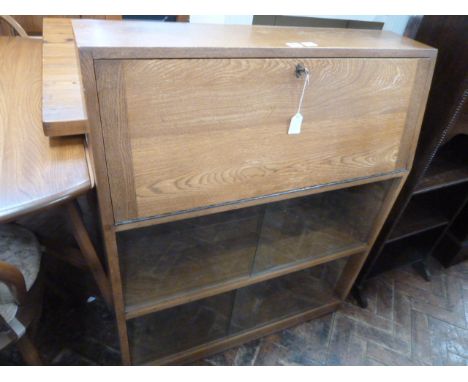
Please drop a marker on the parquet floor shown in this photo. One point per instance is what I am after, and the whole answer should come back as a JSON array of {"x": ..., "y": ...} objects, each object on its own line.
[{"x": 408, "y": 322}]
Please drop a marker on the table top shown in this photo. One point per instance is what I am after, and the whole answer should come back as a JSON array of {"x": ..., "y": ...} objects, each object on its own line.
[
  {"x": 63, "y": 108},
  {"x": 35, "y": 171}
]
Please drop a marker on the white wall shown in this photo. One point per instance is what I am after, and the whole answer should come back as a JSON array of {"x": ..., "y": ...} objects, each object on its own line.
[
  {"x": 228, "y": 19},
  {"x": 395, "y": 24}
]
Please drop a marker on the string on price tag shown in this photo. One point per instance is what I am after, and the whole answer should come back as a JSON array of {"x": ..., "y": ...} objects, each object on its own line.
[{"x": 296, "y": 120}]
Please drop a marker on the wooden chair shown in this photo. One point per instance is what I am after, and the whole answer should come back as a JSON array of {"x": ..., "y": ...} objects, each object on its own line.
[
  {"x": 11, "y": 27},
  {"x": 45, "y": 173},
  {"x": 20, "y": 289}
]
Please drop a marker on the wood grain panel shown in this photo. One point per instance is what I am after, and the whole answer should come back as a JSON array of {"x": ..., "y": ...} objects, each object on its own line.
[
  {"x": 138, "y": 39},
  {"x": 63, "y": 109},
  {"x": 33, "y": 24},
  {"x": 35, "y": 172},
  {"x": 104, "y": 198},
  {"x": 203, "y": 132},
  {"x": 212, "y": 132},
  {"x": 416, "y": 110},
  {"x": 237, "y": 204},
  {"x": 111, "y": 92}
]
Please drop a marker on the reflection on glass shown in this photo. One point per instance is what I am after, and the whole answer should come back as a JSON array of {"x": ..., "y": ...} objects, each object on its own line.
[
  {"x": 186, "y": 326},
  {"x": 167, "y": 260}
]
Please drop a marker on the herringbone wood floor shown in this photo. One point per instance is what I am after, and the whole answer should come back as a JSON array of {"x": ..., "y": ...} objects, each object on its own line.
[{"x": 408, "y": 322}]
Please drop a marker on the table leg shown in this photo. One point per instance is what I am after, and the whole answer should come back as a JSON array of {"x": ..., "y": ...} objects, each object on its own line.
[{"x": 88, "y": 251}]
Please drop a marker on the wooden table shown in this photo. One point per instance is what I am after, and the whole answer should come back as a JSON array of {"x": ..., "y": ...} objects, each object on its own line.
[
  {"x": 36, "y": 171},
  {"x": 63, "y": 110}
]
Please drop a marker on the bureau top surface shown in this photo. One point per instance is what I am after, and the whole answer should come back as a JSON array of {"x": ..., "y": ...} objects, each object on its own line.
[{"x": 141, "y": 39}]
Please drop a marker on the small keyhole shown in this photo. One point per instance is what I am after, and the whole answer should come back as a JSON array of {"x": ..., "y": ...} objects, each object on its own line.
[{"x": 300, "y": 70}]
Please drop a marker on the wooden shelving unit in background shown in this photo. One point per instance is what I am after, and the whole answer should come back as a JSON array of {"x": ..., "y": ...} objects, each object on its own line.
[{"x": 430, "y": 215}]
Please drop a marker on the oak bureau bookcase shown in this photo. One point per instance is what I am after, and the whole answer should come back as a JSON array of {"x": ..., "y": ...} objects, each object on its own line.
[{"x": 219, "y": 225}]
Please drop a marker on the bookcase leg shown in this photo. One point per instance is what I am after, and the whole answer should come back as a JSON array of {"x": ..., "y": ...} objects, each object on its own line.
[
  {"x": 110, "y": 243},
  {"x": 359, "y": 296},
  {"x": 423, "y": 270}
]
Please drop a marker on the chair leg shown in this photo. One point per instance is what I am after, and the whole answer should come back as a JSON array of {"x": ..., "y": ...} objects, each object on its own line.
[
  {"x": 34, "y": 325},
  {"x": 28, "y": 351},
  {"x": 88, "y": 251}
]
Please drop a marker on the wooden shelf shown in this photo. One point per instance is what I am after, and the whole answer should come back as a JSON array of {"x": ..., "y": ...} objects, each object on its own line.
[
  {"x": 133, "y": 311},
  {"x": 450, "y": 250},
  {"x": 442, "y": 173},
  {"x": 223, "y": 318},
  {"x": 449, "y": 167},
  {"x": 459, "y": 227},
  {"x": 221, "y": 344},
  {"x": 170, "y": 264},
  {"x": 406, "y": 250},
  {"x": 417, "y": 218}
]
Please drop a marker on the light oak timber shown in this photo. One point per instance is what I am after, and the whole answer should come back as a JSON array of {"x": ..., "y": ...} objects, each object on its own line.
[
  {"x": 14, "y": 25},
  {"x": 117, "y": 140},
  {"x": 261, "y": 199},
  {"x": 35, "y": 172},
  {"x": 417, "y": 106},
  {"x": 33, "y": 24},
  {"x": 160, "y": 173},
  {"x": 175, "y": 132},
  {"x": 104, "y": 201},
  {"x": 140, "y": 39},
  {"x": 63, "y": 109}
]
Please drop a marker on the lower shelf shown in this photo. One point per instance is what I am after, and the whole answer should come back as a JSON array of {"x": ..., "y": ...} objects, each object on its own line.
[
  {"x": 459, "y": 227},
  {"x": 449, "y": 167},
  {"x": 217, "y": 346},
  {"x": 175, "y": 263},
  {"x": 406, "y": 250},
  {"x": 450, "y": 250},
  {"x": 418, "y": 217},
  {"x": 205, "y": 326}
]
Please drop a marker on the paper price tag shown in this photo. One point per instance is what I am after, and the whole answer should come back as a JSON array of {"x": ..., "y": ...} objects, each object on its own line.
[
  {"x": 294, "y": 44},
  {"x": 296, "y": 120},
  {"x": 308, "y": 44},
  {"x": 295, "y": 124}
]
